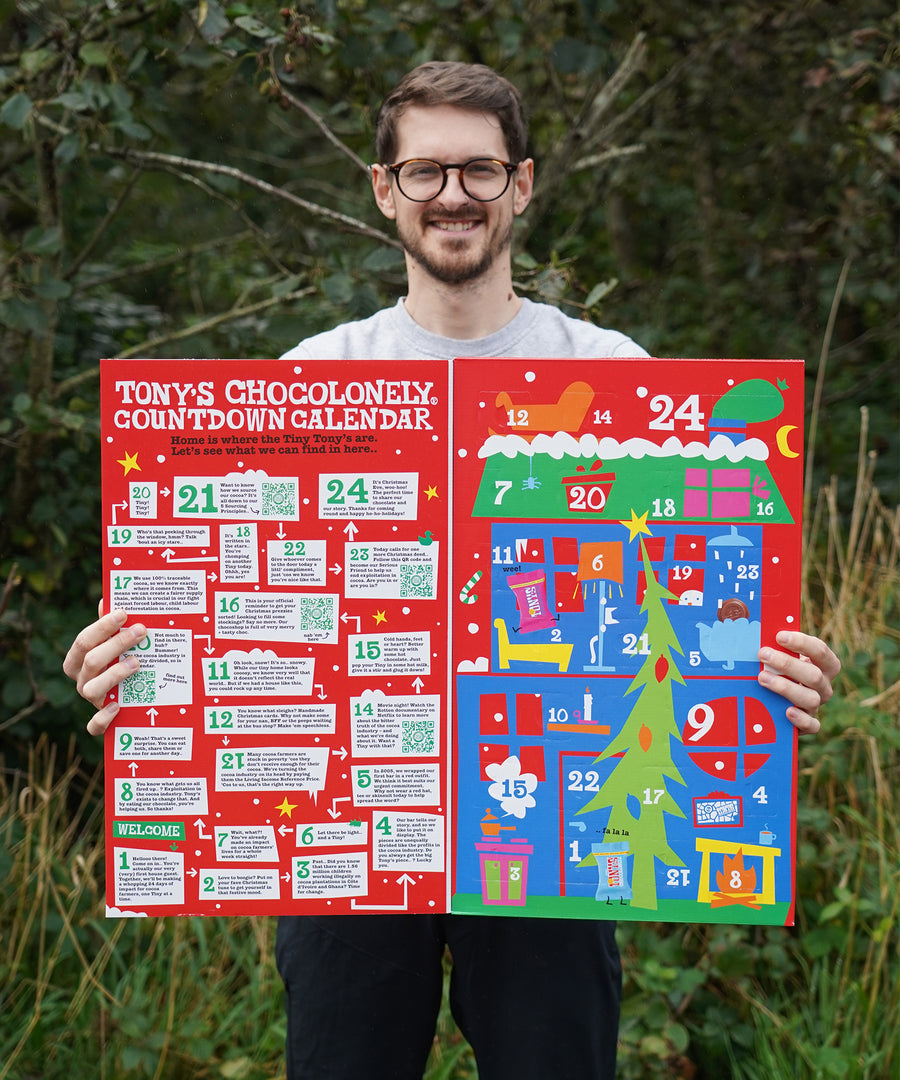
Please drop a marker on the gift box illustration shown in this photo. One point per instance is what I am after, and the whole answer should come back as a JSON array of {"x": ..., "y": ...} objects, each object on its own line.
[{"x": 504, "y": 870}]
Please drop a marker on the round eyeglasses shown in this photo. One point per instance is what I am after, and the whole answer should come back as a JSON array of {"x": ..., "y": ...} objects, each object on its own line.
[{"x": 482, "y": 179}]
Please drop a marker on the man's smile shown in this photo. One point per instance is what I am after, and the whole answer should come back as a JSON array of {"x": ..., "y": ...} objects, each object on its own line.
[
  {"x": 454, "y": 226},
  {"x": 464, "y": 219}
]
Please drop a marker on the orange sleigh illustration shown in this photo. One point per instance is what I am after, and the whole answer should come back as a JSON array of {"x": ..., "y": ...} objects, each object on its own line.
[{"x": 566, "y": 414}]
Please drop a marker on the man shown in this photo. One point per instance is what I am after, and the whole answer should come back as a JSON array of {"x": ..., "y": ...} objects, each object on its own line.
[{"x": 538, "y": 999}]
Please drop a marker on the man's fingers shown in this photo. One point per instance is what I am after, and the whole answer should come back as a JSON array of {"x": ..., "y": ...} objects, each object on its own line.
[
  {"x": 804, "y": 680},
  {"x": 814, "y": 650},
  {"x": 96, "y": 689},
  {"x": 803, "y": 722},
  {"x": 101, "y": 720},
  {"x": 89, "y": 638},
  {"x": 804, "y": 700},
  {"x": 804, "y": 697},
  {"x": 91, "y": 661}
]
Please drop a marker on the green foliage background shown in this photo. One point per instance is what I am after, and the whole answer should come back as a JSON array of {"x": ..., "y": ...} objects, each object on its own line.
[{"x": 188, "y": 179}]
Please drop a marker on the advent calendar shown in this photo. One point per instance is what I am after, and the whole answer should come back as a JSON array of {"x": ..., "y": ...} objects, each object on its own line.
[{"x": 478, "y": 636}]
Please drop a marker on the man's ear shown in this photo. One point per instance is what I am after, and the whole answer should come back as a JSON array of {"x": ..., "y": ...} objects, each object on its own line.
[
  {"x": 383, "y": 189},
  {"x": 524, "y": 185}
]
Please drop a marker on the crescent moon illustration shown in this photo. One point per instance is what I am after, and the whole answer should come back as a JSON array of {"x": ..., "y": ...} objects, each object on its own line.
[{"x": 781, "y": 438}]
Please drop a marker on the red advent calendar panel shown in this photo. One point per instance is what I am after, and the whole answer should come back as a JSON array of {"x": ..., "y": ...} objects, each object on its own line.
[
  {"x": 499, "y": 658},
  {"x": 283, "y": 535}
]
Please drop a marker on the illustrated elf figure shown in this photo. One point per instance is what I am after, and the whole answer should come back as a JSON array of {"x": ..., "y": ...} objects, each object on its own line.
[{"x": 635, "y": 791}]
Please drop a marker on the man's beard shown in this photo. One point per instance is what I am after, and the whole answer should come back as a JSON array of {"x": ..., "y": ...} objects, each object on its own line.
[{"x": 449, "y": 270}]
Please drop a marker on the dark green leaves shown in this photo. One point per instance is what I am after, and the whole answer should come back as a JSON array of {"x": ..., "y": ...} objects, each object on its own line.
[{"x": 16, "y": 110}]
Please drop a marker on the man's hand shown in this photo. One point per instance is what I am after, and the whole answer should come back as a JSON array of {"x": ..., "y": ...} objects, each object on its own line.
[
  {"x": 805, "y": 680},
  {"x": 88, "y": 662}
]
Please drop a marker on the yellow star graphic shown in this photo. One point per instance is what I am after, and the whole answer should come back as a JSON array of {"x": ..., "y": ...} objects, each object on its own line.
[
  {"x": 431, "y": 492},
  {"x": 379, "y": 617},
  {"x": 286, "y": 808},
  {"x": 637, "y": 525},
  {"x": 129, "y": 462}
]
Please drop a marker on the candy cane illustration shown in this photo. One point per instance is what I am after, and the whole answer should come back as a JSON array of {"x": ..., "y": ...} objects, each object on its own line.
[{"x": 465, "y": 593}]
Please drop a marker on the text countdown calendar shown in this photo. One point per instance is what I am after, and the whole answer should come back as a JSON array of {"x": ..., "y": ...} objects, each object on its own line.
[{"x": 476, "y": 636}]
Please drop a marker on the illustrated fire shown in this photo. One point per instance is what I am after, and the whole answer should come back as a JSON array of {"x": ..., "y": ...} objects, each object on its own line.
[{"x": 737, "y": 883}]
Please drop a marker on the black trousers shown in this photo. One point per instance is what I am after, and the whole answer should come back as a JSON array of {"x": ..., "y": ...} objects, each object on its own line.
[{"x": 537, "y": 999}]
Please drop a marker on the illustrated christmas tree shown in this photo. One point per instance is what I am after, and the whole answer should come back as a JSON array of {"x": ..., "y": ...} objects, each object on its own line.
[{"x": 635, "y": 791}]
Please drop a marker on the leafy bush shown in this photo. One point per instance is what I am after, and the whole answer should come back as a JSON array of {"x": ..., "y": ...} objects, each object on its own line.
[{"x": 184, "y": 179}]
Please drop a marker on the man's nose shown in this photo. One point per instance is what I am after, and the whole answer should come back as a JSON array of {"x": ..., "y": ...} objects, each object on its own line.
[{"x": 454, "y": 194}]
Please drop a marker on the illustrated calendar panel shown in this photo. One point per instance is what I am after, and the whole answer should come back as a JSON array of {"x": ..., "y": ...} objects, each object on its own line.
[
  {"x": 283, "y": 535},
  {"x": 627, "y": 534}
]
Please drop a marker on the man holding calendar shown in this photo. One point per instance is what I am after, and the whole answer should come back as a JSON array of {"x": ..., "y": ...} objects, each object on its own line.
[{"x": 538, "y": 999}]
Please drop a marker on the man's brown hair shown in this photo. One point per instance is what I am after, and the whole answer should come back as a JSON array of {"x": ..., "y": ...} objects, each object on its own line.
[{"x": 449, "y": 82}]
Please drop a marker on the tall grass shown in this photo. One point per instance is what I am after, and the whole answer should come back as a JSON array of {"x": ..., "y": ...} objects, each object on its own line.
[
  {"x": 839, "y": 1014},
  {"x": 199, "y": 999},
  {"x": 82, "y": 996},
  {"x": 821, "y": 1000}
]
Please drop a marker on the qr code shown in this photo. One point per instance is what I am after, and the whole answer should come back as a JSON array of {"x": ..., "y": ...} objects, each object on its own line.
[
  {"x": 316, "y": 614},
  {"x": 417, "y": 580},
  {"x": 279, "y": 499},
  {"x": 418, "y": 737},
  {"x": 139, "y": 689}
]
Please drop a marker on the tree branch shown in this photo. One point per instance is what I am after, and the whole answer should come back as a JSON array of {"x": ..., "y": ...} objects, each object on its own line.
[
  {"x": 108, "y": 219},
  {"x": 616, "y": 83},
  {"x": 235, "y": 207},
  {"x": 185, "y": 332},
  {"x": 13, "y": 580},
  {"x": 657, "y": 88},
  {"x": 310, "y": 114},
  {"x": 150, "y": 265},
  {"x": 213, "y": 321},
  {"x": 820, "y": 381},
  {"x": 151, "y": 158},
  {"x": 583, "y": 134},
  {"x": 593, "y": 160}
]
